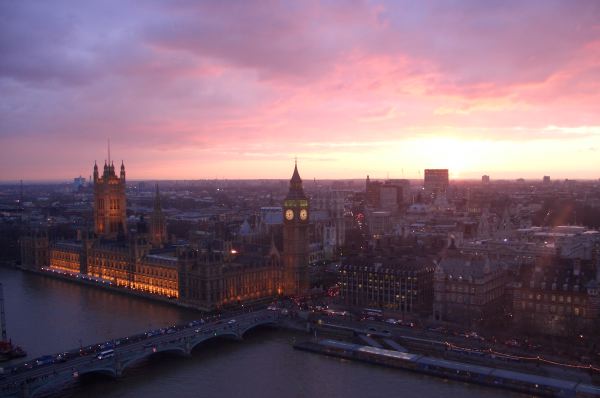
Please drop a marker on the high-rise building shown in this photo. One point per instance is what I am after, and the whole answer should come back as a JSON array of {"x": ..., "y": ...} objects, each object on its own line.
[
  {"x": 546, "y": 180},
  {"x": 78, "y": 182},
  {"x": 435, "y": 182},
  {"x": 372, "y": 192},
  {"x": 158, "y": 225},
  {"x": 485, "y": 179},
  {"x": 110, "y": 202},
  {"x": 388, "y": 195},
  {"x": 295, "y": 238}
]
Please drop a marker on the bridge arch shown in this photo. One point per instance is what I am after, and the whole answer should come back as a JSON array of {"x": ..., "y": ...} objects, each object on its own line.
[
  {"x": 259, "y": 323},
  {"x": 229, "y": 335},
  {"x": 149, "y": 352},
  {"x": 65, "y": 378}
]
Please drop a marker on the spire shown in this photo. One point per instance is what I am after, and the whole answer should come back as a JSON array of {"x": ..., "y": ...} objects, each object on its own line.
[
  {"x": 122, "y": 171},
  {"x": 296, "y": 191},
  {"x": 157, "y": 206},
  {"x": 95, "y": 171},
  {"x": 296, "y": 176}
]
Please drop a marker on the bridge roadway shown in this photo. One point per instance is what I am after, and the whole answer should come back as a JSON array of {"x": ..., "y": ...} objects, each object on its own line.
[{"x": 44, "y": 379}]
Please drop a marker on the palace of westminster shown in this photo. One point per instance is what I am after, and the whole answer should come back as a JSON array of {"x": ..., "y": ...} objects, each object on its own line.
[{"x": 141, "y": 259}]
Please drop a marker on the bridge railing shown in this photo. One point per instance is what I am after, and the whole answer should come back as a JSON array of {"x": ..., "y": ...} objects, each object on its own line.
[{"x": 144, "y": 344}]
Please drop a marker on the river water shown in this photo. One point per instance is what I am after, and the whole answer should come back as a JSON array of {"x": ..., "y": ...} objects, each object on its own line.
[{"x": 46, "y": 315}]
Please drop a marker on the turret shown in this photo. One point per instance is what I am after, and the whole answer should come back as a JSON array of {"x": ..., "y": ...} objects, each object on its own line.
[
  {"x": 110, "y": 202},
  {"x": 122, "y": 172},
  {"x": 95, "y": 171}
]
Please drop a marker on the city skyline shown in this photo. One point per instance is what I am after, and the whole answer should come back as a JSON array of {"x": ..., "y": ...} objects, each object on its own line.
[{"x": 237, "y": 90}]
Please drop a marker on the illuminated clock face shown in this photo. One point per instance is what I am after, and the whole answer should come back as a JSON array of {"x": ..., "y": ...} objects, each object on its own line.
[
  {"x": 289, "y": 214},
  {"x": 303, "y": 214}
]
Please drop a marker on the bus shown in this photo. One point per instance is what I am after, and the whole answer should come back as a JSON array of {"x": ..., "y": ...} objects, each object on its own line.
[
  {"x": 372, "y": 314},
  {"x": 106, "y": 354}
]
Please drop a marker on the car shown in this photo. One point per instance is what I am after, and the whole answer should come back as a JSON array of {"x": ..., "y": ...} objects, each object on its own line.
[
  {"x": 60, "y": 358},
  {"x": 438, "y": 329},
  {"x": 45, "y": 360},
  {"x": 231, "y": 322},
  {"x": 372, "y": 330},
  {"x": 391, "y": 321}
]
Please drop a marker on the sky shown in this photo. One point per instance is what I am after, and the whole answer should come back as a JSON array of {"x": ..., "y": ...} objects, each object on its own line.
[{"x": 238, "y": 89}]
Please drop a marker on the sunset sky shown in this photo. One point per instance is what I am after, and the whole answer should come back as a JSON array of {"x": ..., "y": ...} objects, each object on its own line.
[{"x": 237, "y": 89}]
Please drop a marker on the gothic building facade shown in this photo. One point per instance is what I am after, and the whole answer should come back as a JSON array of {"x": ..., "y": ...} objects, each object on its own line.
[
  {"x": 110, "y": 202},
  {"x": 203, "y": 276}
]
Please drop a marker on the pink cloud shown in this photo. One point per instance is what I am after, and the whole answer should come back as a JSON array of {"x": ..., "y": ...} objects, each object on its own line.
[{"x": 235, "y": 80}]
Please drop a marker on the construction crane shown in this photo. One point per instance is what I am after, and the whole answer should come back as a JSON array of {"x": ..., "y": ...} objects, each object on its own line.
[{"x": 2, "y": 318}]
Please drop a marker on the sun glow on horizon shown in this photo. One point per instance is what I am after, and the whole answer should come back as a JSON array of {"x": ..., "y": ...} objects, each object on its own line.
[{"x": 350, "y": 88}]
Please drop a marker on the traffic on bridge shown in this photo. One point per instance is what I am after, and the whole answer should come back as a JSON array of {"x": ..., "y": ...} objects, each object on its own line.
[{"x": 53, "y": 372}]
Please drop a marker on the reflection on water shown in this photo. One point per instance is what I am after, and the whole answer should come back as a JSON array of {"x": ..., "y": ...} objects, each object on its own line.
[{"x": 46, "y": 315}]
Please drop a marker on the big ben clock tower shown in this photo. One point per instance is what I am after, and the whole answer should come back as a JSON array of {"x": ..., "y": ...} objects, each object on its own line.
[{"x": 295, "y": 238}]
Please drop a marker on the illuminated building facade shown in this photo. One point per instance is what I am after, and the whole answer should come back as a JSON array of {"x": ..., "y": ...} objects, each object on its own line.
[
  {"x": 110, "y": 202},
  {"x": 206, "y": 277},
  {"x": 396, "y": 284},
  {"x": 66, "y": 256},
  {"x": 216, "y": 278}
]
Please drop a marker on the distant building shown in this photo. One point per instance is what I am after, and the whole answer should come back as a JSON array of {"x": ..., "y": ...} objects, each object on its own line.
[
  {"x": 546, "y": 180},
  {"x": 78, "y": 183},
  {"x": 435, "y": 182},
  {"x": 379, "y": 222},
  {"x": 485, "y": 179},
  {"x": 469, "y": 290},
  {"x": 373, "y": 193},
  {"x": 388, "y": 195},
  {"x": 398, "y": 284},
  {"x": 158, "y": 224},
  {"x": 329, "y": 223},
  {"x": 558, "y": 296}
]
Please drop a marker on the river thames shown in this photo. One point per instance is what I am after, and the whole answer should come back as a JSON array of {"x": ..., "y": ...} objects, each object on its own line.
[{"x": 46, "y": 315}]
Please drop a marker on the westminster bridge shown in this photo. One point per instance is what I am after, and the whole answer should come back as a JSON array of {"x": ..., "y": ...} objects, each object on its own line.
[{"x": 52, "y": 373}]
